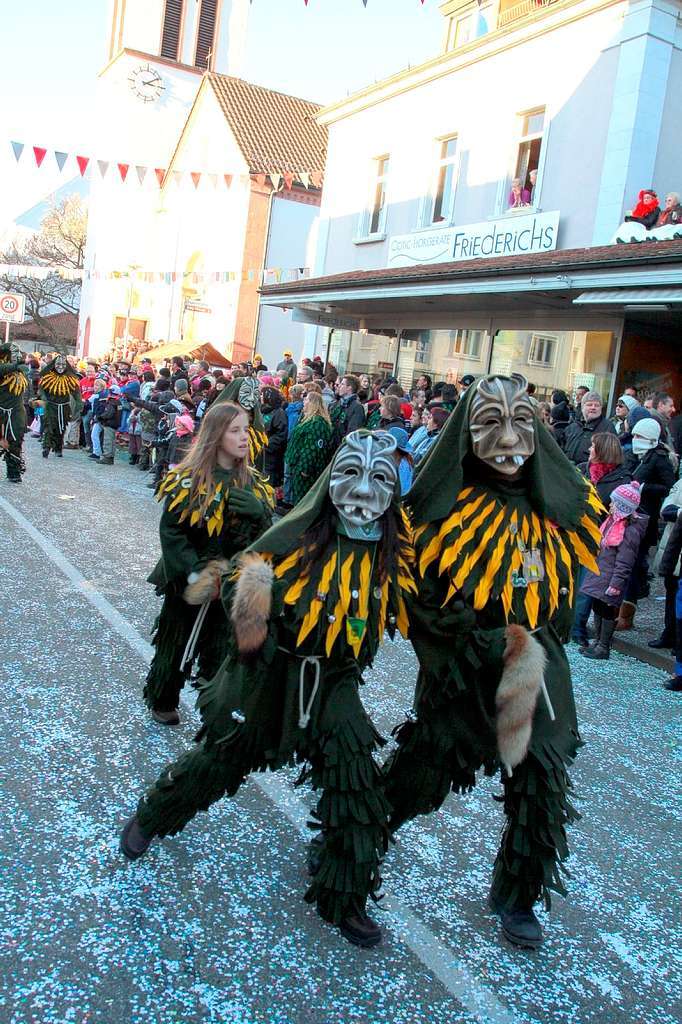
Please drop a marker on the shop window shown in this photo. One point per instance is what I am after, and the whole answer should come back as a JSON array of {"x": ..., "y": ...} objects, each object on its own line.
[
  {"x": 441, "y": 199},
  {"x": 443, "y": 354},
  {"x": 542, "y": 350},
  {"x": 473, "y": 24},
  {"x": 529, "y": 149}
]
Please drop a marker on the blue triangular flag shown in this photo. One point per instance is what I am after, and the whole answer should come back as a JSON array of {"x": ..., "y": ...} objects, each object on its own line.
[
  {"x": 18, "y": 148},
  {"x": 61, "y": 159}
]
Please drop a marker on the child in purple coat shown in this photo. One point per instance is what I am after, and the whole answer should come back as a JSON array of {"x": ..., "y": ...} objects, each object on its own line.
[{"x": 621, "y": 532}]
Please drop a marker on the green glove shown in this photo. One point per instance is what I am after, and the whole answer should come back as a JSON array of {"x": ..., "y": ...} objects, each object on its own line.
[{"x": 244, "y": 504}]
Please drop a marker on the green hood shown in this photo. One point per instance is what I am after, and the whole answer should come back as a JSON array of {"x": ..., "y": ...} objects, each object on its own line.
[{"x": 555, "y": 487}]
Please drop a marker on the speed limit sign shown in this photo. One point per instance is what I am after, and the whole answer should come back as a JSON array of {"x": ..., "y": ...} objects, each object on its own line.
[{"x": 11, "y": 308}]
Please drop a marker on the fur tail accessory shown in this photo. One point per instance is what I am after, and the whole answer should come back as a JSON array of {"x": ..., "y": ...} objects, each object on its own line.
[
  {"x": 252, "y": 602},
  {"x": 205, "y": 586},
  {"x": 517, "y": 694}
]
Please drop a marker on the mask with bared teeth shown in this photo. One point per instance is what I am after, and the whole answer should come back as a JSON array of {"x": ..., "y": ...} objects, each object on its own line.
[
  {"x": 501, "y": 422},
  {"x": 364, "y": 476}
]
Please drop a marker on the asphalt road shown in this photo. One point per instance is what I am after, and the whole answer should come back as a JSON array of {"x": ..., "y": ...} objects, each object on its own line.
[{"x": 211, "y": 925}]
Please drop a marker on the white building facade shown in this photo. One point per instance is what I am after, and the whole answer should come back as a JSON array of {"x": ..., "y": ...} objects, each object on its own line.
[{"x": 576, "y": 99}]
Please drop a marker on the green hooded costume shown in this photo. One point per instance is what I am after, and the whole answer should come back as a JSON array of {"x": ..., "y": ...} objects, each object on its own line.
[
  {"x": 192, "y": 545},
  {"x": 244, "y": 391},
  {"x": 319, "y": 601},
  {"x": 60, "y": 394},
  {"x": 13, "y": 389},
  {"x": 497, "y": 561}
]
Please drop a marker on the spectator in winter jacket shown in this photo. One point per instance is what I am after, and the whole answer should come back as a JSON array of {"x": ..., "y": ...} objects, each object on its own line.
[
  {"x": 97, "y": 400},
  {"x": 646, "y": 210},
  {"x": 669, "y": 567},
  {"x": 277, "y": 429},
  {"x": 287, "y": 367},
  {"x": 109, "y": 417},
  {"x": 559, "y": 416},
  {"x": 579, "y": 434},
  {"x": 671, "y": 214},
  {"x": 178, "y": 371},
  {"x": 663, "y": 410},
  {"x": 621, "y": 537},
  {"x": 404, "y": 458},
  {"x": 391, "y": 413},
  {"x": 347, "y": 413},
  {"x": 624, "y": 406},
  {"x": 653, "y": 471},
  {"x": 606, "y": 471},
  {"x": 436, "y": 417},
  {"x": 294, "y": 406}
]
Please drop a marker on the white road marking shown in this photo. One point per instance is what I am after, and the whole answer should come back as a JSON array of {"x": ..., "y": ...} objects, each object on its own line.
[{"x": 436, "y": 956}]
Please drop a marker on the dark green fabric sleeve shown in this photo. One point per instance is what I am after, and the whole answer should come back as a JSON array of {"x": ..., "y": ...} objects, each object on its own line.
[{"x": 180, "y": 557}]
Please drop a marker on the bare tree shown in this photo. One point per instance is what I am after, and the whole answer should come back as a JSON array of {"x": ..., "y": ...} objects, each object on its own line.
[{"x": 60, "y": 242}]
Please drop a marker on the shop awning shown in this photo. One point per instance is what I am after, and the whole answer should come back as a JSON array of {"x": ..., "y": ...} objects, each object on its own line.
[
  {"x": 630, "y": 296},
  {"x": 193, "y": 350}
]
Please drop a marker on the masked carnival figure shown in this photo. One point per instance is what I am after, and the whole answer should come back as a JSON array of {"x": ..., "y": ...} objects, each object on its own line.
[
  {"x": 59, "y": 391},
  {"x": 502, "y": 522},
  {"x": 14, "y": 385},
  {"x": 309, "y": 603},
  {"x": 244, "y": 391}
]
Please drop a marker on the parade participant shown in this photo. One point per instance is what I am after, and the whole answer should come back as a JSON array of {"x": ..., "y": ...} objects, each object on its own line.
[
  {"x": 502, "y": 522},
  {"x": 13, "y": 389},
  {"x": 60, "y": 393},
  {"x": 215, "y": 505},
  {"x": 309, "y": 604},
  {"x": 244, "y": 391}
]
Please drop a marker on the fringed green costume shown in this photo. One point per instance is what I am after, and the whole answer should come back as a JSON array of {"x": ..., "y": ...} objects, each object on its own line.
[
  {"x": 13, "y": 387},
  {"x": 491, "y": 552},
  {"x": 190, "y": 543},
  {"x": 59, "y": 391},
  {"x": 324, "y": 602}
]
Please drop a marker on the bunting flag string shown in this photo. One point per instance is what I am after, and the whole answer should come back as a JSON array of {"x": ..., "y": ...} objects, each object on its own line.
[
  {"x": 364, "y": 2},
  {"x": 267, "y": 275},
  {"x": 283, "y": 177}
]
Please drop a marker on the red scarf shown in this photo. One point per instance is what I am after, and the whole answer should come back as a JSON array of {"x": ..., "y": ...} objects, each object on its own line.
[{"x": 598, "y": 470}]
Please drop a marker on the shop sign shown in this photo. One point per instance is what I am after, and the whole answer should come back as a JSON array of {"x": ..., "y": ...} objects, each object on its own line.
[
  {"x": 342, "y": 323},
  {"x": 508, "y": 236}
]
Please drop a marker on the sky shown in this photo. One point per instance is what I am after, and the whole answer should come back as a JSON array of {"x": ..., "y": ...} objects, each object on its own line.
[{"x": 51, "y": 53}]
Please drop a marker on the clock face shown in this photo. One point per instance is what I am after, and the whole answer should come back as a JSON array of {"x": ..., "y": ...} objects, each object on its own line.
[{"x": 146, "y": 83}]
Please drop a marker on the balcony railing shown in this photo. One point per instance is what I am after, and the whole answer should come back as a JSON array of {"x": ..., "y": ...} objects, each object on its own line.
[{"x": 520, "y": 10}]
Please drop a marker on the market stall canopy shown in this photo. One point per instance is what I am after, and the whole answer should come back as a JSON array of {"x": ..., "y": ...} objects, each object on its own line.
[{"x": 192, "y": 350}]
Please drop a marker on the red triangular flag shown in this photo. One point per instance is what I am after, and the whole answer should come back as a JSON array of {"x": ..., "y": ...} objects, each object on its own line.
[
  {"x": 196, "y": 177},
  {"x": 39, "y": 153},
  {"x": 123, "y": 170},
  {"x": 316, "y": 179},
  {"x": 82, "y": 162},
  {"x": 260, "y": 180},
  {"x": 288, "y": 180},
  {"x": 228, "y": 180},
  {"x": 160, "y": 173}
]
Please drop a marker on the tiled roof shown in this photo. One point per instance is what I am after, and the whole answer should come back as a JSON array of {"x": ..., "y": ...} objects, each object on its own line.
[
  {"x": 559, "y": 260},
  {"x": 64, "y": 324},
  {"x": 275, "y": 132}
]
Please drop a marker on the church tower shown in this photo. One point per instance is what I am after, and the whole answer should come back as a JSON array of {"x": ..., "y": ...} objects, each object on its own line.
[{"x": 203, "y": 34}]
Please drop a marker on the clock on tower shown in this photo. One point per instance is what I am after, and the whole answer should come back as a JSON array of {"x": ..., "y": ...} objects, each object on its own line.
[{"x": 146, "y": 83}]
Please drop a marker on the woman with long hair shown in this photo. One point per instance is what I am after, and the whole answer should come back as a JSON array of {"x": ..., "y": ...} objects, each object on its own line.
[
  {"x": 309, "y": 448},
  {"x": 216, "y": 504}
]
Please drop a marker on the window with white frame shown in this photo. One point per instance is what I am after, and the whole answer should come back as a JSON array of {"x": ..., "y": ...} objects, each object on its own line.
[
  {"x": 477, "y": 21},
  {"x": 528, "y": 152},
  {"x": 375, "y": 216},
  {"x": 441, "y": 200},
  {"x": 466, "y": 343},
  {"x": 542, "y": 349}
]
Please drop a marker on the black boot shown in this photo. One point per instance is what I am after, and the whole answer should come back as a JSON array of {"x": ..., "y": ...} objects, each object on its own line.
[
  {"x": 314, "y": 856},
  {"x": 134, "y": 459},
  {"x": 46, "y": 452},
  {"x": 134, "y": 843},
  {"x": 143, "y": 464},
  {"x": 602, "y": 647},
  {"x": 520, "y": 926},
  {"x": 360, "y": 929},
  {"x": 674, "y": 684},
  {"x": 663, "y": 643},
  {"x": 594, "y": 634}
]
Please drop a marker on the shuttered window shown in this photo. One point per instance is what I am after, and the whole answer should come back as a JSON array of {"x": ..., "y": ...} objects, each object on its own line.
[
  {"x": 172, "y": 22},
  {"x": 206, "y": 33}
]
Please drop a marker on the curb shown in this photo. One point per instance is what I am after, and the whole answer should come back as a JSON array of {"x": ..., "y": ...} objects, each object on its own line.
[{"x": 656, "y": 659}]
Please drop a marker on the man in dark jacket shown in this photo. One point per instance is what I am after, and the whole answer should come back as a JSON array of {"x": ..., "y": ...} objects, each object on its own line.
[
  {"x": 579, "y": 434},
  {"x": 109, "y": 415},
  {"x": 670, "y": 569},
  {"x": 347, "y": 414}
]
